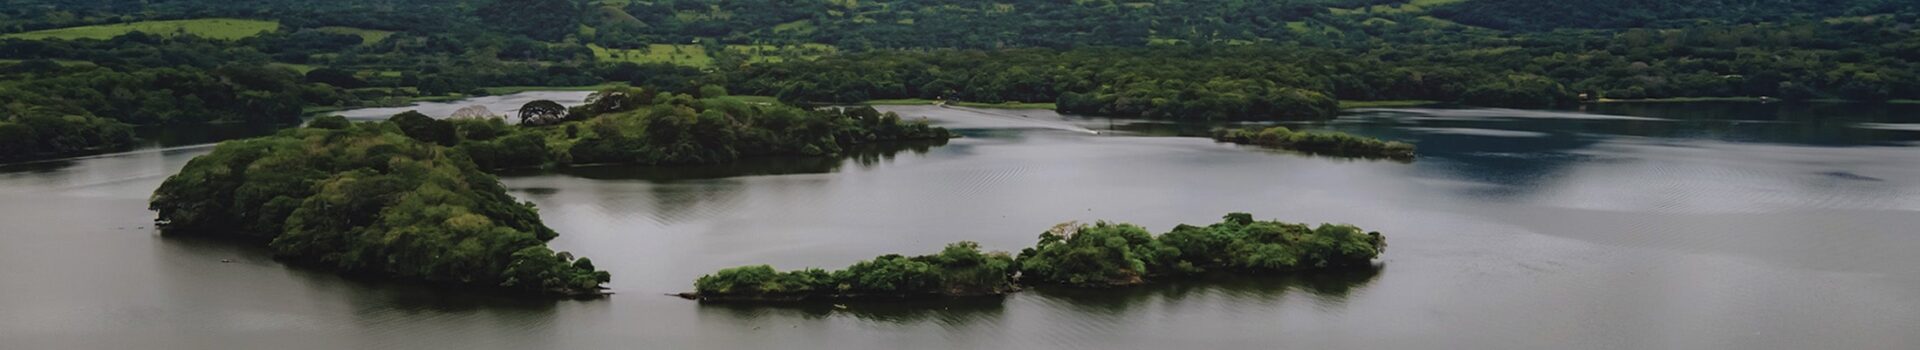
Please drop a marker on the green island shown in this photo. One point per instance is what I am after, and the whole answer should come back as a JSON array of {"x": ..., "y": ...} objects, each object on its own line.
[
  {"x": 1330, "y": 143},
  {"x": 958, "y": 270},
  {"x": 623, "y": 125},
  {"x": 410, "y": 198},
  {"x": 1070, "y": 254},
  {"x": 364, "y": 199}
]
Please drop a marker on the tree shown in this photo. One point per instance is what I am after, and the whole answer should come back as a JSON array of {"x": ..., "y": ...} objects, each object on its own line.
[
  {"x": 542, "y": 112},
  {"x": 421, "y": 127},
  {"x": 336, "y": 77},
  {"x": 549, "y": 20},
  {"x": 367, "y": 201}
]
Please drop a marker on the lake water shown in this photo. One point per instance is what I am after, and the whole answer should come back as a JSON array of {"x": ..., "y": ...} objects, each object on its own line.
[{"x": 1696, "y": 226}]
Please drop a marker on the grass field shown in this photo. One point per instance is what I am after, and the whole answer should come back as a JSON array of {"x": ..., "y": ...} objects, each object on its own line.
[
  {"x": 212, "y": 28},
  {"x": 367, "y": 36},
  {"x": 697, "y": 56}
]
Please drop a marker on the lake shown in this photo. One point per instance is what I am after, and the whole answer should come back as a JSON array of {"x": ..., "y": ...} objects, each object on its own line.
[{"x": 1620, "y": 226}]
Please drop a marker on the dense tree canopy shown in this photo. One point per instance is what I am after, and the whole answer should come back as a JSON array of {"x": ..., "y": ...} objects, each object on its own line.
[
  {"x": 959, "y": 270},
  {"x": 1550, "y": 15},
  {"x": 1202, "y": 59},
  {"x": 1106, "y": 254},
  {"x": 640, "y": 126},
  {"x": 1072, "y": 254},
  {"x": 30, "y": 136},
  {"x": 365, "y": 199},
  {"x": 550, "y": 20}
]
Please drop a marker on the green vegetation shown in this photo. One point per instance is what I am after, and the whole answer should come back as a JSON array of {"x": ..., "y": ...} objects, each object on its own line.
[
  {"x": 364, "y": 199},
  {"x": 211, "y": 28},
  {"x": 1071, "y": 254},
  {"x": 28, "y": 137},
  {"x": 297, "y": 68},
  {"x": 1318, "y": 142},
  {"x": 232, "y": 93},
  {"x": 367, "y": 36},
  {"x": 54, "y": 109},
  {"x": 639, "y": 126},
  {"x": 1537, "y": 15},
  {"x": 408, "y": 199},
  {"x": 1255, "y": 60},
  {"x": 959, "y": 270},
  {"x": 1122, "y": 254},
  {"x": 1117, "y": 82}
]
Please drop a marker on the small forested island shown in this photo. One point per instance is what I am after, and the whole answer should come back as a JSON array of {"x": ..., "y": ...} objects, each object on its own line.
[
  {"x": 959, "y": 270},
  {"x": 624, "y": 125},
  {"x": 1330, "y": 143},
  {"x": 1070, "y": 254},
  {"x": 363, "y": 199}
]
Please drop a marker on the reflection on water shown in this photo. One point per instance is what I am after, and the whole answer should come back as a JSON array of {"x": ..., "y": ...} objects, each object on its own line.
[
  {"x": 1328, "y": 288},
  {"x": 1618, "y": 226},
  {"x": 948, "y": 312},
  {"x": 865, "y": 156}
]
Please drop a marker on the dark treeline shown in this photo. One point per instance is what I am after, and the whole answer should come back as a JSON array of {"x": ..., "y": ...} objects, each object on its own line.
[
  {"x": 1070, "y": 254},
  {"x": 1284, "y": 56},
  {"x": 1617, "y": 14},
  {"x": 88, "y": 100},
  {"x": 963, "y": 24},
  {"x": 1790, "y": 62},
  {"x": 1170, "y": 83}
]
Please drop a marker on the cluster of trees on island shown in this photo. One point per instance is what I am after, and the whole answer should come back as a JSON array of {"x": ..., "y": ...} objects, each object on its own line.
[
  {"x": 624, "y": 125},
  {"x": 1317, "y": 142},
  {"x": 1070, "y": 254},
  {"x": 365, "y": 199},
  {"x": 410, "y": 198}
]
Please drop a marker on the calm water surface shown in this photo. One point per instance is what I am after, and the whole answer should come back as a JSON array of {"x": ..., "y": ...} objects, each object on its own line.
[{"x": 1713, "y": 226}]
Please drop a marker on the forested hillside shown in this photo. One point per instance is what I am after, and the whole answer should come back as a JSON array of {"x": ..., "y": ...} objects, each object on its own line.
[
  {"x": 193, "y": 61},
  {"x": 1539, "y": 15}
]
